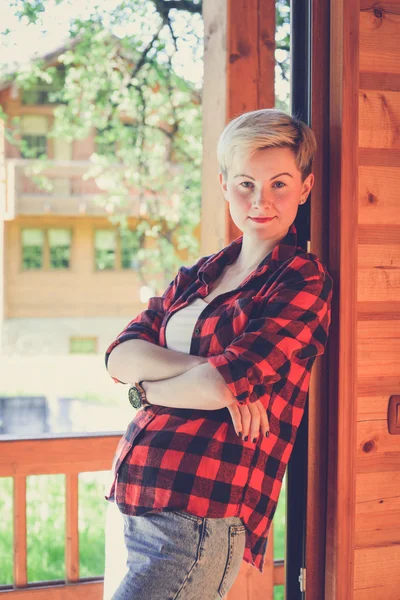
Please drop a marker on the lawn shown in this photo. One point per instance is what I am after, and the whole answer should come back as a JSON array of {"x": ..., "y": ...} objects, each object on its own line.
[{"x": 46, "y": 527}]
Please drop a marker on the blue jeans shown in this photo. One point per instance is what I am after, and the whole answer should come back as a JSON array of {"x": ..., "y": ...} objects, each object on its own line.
[{"x": 177, "y": 556}]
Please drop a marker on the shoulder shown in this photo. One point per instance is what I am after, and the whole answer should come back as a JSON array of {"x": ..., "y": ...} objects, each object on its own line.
[{"x": 308, "y": 265}]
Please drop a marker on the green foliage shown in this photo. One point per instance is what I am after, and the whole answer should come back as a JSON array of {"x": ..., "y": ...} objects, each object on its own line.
[
  {"x": 109, "y": 77},
  {"x": 46, "y": 527}
]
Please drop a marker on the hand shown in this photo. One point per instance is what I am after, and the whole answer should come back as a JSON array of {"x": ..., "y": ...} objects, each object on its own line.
[{"x": 249, "y": 420}]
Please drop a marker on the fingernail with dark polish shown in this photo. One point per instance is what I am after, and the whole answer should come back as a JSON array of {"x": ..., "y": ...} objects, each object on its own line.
[
  {"x": 266, "y": 433},
  {"x": 246, "y": 438},
  {"x": 239, "y": 434},
  {"x": 254, "y": 440}
]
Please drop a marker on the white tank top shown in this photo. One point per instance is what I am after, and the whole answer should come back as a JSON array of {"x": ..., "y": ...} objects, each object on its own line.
[{"x": 179, "y": 330}]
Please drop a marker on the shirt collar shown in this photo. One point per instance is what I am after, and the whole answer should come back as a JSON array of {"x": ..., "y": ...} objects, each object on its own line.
[{"x": 283, "y": 251}]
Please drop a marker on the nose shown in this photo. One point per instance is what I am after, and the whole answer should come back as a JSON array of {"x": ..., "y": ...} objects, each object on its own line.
[{"x": 262, "y": 199}]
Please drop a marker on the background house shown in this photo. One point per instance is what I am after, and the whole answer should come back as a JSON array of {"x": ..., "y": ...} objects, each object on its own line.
[{"x": 70, "y": 282}]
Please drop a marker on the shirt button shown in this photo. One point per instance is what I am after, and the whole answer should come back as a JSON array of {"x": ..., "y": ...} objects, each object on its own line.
[{"x": 197, "y": 330}]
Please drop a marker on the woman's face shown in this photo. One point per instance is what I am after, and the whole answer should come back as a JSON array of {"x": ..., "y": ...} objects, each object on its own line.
[{"x": 266, "y": 185}]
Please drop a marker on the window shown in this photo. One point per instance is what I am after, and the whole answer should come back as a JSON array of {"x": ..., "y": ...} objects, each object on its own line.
[
  {"x": 33, "y": 146},
  {"x": 46, "y": 93},
  {"x": 105, "y": 249},
  {"x": 83, "y": 345},
  {"x": 129, "y": 250},
  {"x": 60, "y": 248},
  {"x": 46, "y": 248},
  {"x": 32, "y": 248}
]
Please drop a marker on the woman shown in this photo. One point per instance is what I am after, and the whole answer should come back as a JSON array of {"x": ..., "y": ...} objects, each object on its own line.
[{"x": 223, "y": 361}]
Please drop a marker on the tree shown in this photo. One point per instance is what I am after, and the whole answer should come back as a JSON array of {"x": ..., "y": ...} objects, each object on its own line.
[{"x": 115, "y": 77}]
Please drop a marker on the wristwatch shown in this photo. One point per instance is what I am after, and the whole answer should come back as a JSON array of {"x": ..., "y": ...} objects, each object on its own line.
[{"x": 137, "y": 396}]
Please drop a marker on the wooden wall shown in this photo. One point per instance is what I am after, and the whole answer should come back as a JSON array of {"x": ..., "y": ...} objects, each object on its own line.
[{"x": 377, "y": 509}]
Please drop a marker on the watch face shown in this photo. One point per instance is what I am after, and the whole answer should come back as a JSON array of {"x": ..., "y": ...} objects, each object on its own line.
[{"x": 134, "y": 397}]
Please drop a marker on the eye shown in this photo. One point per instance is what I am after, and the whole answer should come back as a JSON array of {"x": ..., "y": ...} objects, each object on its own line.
[
  {"x": 244, "y": 184},
  {"x": 283, "y": 184}
]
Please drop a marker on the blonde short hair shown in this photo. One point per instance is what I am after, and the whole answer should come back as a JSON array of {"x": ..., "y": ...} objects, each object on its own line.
[{"x": 266, "y": 128}]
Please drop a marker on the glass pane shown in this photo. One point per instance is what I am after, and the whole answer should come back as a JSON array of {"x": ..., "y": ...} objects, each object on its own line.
[
  {"x": 92, "y": 516},
  {"x": 83, "y": 345},
  {"x": 60, "y": 248},
  {"x": 105, "y": 244},
  {"x": 6, "y": 530},
  {"x": 45, "y": 499},
  {"x": 280, "y": 523},
  {"x": 32, "y": 248},
  {"x": 129, "y": 250},
  {"x": 33, "y": 146}
]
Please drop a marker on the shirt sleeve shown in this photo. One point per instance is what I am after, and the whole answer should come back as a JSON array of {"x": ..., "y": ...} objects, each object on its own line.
[
  {"x": 291, "y": 323},
  {"x": 146, "y": 325}
]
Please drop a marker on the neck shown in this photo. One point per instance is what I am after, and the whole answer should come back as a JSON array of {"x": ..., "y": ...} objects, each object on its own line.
[{"x": 253, "y": 251}]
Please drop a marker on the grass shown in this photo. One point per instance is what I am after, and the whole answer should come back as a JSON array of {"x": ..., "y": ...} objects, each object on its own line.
[{"x": 46, "y": 527}]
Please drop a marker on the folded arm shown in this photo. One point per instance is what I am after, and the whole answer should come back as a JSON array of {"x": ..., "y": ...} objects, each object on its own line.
[{"x": 135, "y": 360}]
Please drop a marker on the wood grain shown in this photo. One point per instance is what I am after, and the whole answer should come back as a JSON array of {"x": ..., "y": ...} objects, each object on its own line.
[
  {"x": 378, "y": 522},
  {"x": 377, "y": 449},
  {"x": 71, "y": 528},
  {"x": 378, "y": 203},
  {"x": 81, "y": 591},
  {"x": 343, "y": 218},
  {"x": 20, "y": 554},
  {"x": 380, "y": 39},
  {"x": 58, "y": 455},
  {"x": 379, "y": 119}
]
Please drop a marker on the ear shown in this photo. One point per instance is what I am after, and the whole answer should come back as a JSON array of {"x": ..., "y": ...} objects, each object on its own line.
[
  {"x": 223, "y": 185},
  {"x": 307, "y": 187}
]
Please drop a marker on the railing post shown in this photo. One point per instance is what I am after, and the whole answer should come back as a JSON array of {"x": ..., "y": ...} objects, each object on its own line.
[
  {"x": 20, "y": 571},
  {"x": 72, "y": 530}
]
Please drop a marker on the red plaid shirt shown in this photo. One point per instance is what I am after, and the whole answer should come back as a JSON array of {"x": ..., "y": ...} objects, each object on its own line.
[{"x": 263, "y": 337}]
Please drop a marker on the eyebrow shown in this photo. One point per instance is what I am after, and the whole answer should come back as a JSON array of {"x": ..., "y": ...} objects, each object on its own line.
[{"x": 274, "y": 177}]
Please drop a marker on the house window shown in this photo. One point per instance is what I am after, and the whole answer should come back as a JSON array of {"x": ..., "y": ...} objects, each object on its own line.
[
  {"x": 129, "y": 250},
  {"x": 83, "y": 345},
  {"x": 60, "y": 248},
  {"x": 105, "y": 249},
  {"x": 46, "y": 93},
  {"x": 46, "y": 248},
  {"x": 33, "y": 146},
  {"x": 32, "y": 248}
]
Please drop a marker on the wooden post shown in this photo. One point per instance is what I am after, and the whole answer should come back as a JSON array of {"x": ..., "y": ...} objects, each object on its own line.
[{"x": 343, "y": 264}]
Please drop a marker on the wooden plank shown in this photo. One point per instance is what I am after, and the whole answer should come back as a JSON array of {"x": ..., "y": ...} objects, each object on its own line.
[
  {"x": 372, "y": 408},
  {"x": 379, "y": 116},
  {"x": 377, "y": 486},
  {"x": 378, "y": 284},
  {"x": 72, "y": 531},
  {"x": 378, "y": 522},
  {"x": 378, "y": 198},
  {"x": 379, "y": 356},
  {"x": 385, "y": 328},
  {"x": 250, "y": 67},
  {"x": 319, "y": 245},
  {"x": 20, "y": 568},
  {"x": 377, "y": 449},
  {"x": 80, "y": 591},
  {"x": 343, "y": 219},
  {"x": 379, "y": 256},
  {"x": 379, "y": 157},
  {"x": 380, "y": 234},
  {"x": 380, "y": 81},
  {"x": 57, "y": 455},
  {"x": 380, "y": 39},
  {"x": 378, "y": 385},
  {"x": 370, "y": 311},
  {"x": 213, "y": 204},
  {"x": 378, "y": 565}
]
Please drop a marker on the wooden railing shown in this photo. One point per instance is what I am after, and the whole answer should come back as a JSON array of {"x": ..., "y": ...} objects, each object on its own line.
[{"x": 71, "y": 456}]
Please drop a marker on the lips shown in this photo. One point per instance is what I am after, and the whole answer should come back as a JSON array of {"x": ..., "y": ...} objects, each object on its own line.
[{"x": 262, "y": 219}]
